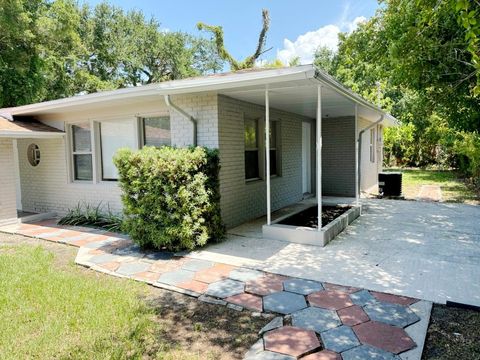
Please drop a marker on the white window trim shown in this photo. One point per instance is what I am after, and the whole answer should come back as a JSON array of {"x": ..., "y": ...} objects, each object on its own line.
[
  {"x": 257, "y": 149},
  {"x": 261, "y": 139},
  {"x": 96, "y": 148},
  {"x": 71, "y": 152},
  {"x": 141, "y": 127}
]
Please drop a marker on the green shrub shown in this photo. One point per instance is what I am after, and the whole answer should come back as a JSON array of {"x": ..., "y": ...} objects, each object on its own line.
[
  {"x": 89, "y": 215},
  {"x": 467, "y": 148},
  {"x": 171, "y": 196}
]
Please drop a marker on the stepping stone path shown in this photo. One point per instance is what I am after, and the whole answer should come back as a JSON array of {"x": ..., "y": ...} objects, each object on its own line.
[
  {"x": 311, "y": 320},
  {"x": 430, "y": 193}
]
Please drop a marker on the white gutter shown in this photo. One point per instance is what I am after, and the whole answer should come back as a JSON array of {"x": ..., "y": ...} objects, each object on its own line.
[
  {"x": 187, "y": 116},
  {"x": 199, "y": 84},
  {"x": 30, "y": 134},
  {"x": 360, "y": 150}
]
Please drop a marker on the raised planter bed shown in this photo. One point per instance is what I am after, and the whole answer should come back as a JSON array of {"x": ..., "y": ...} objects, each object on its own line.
[{"x": 302, "y": 226}]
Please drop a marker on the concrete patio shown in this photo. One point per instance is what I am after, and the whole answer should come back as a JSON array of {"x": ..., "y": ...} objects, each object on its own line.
[{"x": 424, "y": 250}]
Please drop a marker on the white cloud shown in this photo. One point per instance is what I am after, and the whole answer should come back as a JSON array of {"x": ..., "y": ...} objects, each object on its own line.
[{"x": 305, "y": 45}]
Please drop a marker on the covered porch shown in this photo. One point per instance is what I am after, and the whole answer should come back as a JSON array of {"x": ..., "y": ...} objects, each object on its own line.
[
  {"x": 327, "y": 143},
  {"x": 18, "y": 148}
]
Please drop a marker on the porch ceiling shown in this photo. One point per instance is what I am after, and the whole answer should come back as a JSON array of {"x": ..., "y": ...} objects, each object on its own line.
[{"x": 300, "y": 97}]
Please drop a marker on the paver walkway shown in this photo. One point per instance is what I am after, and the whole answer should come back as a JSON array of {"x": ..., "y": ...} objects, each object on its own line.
[
  {"x": 427, "y": 250},
  {"x": 430, "y": 193},
  {"x": 310, "y": 319}
]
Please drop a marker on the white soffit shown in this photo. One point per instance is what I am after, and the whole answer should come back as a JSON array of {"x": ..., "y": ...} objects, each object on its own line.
[{"x": 298, "y": 97}]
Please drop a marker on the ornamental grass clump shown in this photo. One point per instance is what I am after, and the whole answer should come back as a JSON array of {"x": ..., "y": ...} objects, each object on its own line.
[{"x": 171, "y": 196}]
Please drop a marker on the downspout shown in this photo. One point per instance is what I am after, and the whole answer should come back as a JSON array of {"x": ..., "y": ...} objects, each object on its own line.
[
  {"x": 186, "y": 115},
  {"x": 360, "y": 151}
]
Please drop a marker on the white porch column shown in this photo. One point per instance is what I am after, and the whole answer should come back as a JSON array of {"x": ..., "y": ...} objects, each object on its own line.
[
  {"x": 319, "y": 156},
  {"x": 267, "y": 155}
]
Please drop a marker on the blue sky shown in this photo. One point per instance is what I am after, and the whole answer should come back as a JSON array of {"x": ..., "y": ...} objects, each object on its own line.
[{"x": 297, "y": 27}]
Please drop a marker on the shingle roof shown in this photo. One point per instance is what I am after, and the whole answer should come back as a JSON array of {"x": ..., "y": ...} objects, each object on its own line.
[{"x": 25, "y": 126}]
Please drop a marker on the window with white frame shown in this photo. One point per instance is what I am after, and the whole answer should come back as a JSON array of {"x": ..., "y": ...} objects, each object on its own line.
[
  {"x": 82, "y": 151},
  {"x": 255, "y": 162},
  {"x": 273, "y": 148},
  {"x": 113, "y": 136},
  {"x": 372, "y": 145},
  {"x": 156, "y": 131},
  {"x": 252, "y": 170}
]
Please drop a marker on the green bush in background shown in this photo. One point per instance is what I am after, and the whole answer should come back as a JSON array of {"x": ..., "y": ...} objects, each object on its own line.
[{"x": 171, "y": 196}]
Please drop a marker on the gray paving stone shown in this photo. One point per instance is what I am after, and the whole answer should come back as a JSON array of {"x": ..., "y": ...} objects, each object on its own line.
[
  {"x": 131, "y": 250},
  {"x": 274, "y": 324},
  {"x": 105, "y": 258},
  {"x": 254, "y": 350},
  {"x": 71, "y": 239},
  {"x": 392, "y": 314},
  {"x": 92, "y": 245},
  {"x": 235, "y": 307},
  {"x": 176, "y": 277},
  {"x": 243, "y": 274},
  {"x": 51, "y": 234},
  {"x": 225, "y": 288},
  {"x": 257, "y": 352},
  {"x": 365, "y": 352},
  {"x": 362, "y": 298},
  {"x": 269, "y": 355},
  {"x": 302, "y": 286},
  {"x": 159, "y": 255},
  {"x": 316, "y": 319},
  {"x": 284, "y": 302},
  {"x": 339, "y": 339},
  {"x": 212, "y": 300},
  {"x": 197, "y": 265},
  {"x": 130, "y": 268}
]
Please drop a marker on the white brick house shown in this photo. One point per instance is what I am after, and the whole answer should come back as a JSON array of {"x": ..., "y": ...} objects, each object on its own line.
[{"x": 56, "y": 154}]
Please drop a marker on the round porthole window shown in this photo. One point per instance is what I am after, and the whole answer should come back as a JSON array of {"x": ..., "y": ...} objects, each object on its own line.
[{"x": 33, "y": 154}]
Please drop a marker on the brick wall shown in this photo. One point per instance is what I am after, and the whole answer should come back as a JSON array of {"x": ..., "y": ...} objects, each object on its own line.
[
  {"x": 46, "y": 187},
  {"x": 338, "y": 156},
  {"x": 243, "y": 201},
  {"x": 8, "y": 205}
]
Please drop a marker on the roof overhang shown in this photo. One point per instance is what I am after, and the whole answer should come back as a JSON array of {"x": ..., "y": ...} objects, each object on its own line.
[
  {"x": 27, "y": 129},
  {"x": 253, "y": 81}
]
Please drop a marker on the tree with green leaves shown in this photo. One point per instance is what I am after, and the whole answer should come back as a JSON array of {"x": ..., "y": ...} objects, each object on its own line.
[
  {"x": 249, "y": 62},
  {"x": 53, "y": 49}
]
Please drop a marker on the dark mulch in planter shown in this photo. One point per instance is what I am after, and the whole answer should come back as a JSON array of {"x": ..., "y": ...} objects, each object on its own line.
[
  {"x": 308, "y": 217},
  {"x": 453, "y": 334}
]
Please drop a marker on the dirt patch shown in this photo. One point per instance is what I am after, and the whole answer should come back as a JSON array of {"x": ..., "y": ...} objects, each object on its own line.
[
  {"x": 187, "y": 325},
  {"x": 309, "y": 218},
  {"x": 453, "y": 333}
]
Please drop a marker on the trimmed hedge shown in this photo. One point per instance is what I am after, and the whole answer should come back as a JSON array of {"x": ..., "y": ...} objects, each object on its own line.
[{"x": 171, "y": 196}]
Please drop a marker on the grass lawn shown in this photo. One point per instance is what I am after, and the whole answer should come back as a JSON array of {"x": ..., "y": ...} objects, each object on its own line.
[
  {"x": 53, "y": 309},
  {"x": 454, "y": 189}
]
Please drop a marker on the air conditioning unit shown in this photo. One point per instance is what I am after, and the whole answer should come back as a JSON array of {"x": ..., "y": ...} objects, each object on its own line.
[{"x": 390, "y": 184}]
